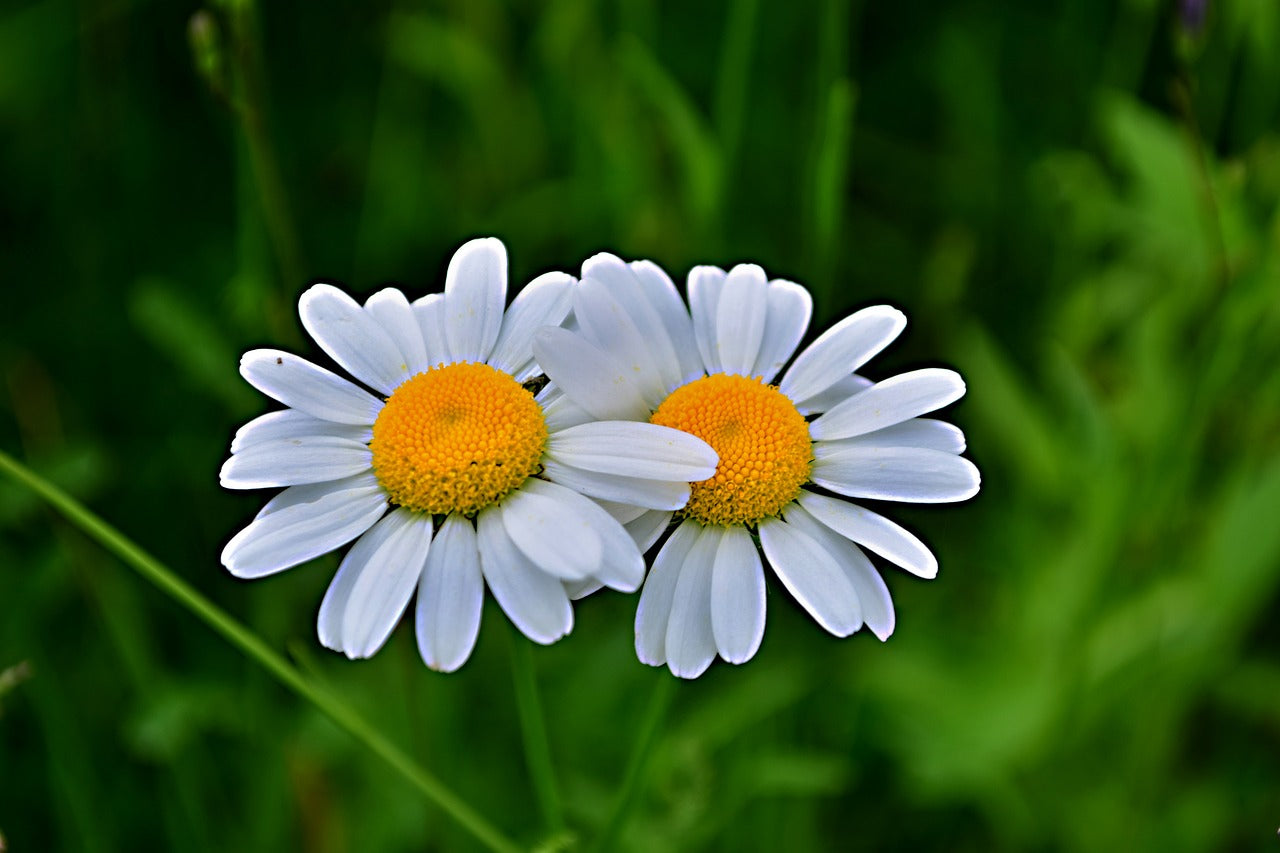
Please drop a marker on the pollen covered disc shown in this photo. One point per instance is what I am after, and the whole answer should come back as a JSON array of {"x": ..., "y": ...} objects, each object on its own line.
[
  {"x": 457, "y": 438},
  {"x": 763, "y": 442}
]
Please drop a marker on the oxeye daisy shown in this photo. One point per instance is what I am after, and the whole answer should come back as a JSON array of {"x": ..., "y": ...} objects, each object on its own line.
[
  {"x": 445, "y": 471},
  {"x": 792, "y": 454}
]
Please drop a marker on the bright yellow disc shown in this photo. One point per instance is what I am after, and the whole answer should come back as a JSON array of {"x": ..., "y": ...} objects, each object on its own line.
[
  {"x": 763, "y": 442},
  {"x": 457, "y": 439}
]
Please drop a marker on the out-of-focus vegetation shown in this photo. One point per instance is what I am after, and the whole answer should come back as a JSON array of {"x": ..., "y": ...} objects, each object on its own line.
[{"x": 1075, "y": 203}]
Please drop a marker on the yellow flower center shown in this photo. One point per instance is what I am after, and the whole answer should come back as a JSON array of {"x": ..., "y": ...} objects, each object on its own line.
[
  {"x": 456, "y": 439},
  {"x": 763, "y": 442}
]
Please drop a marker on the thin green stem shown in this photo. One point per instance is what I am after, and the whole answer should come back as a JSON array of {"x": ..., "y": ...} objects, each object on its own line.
[
  {"x": 533, "y": 730},
  {"x": 248, "y": 642},
  {"x": 638, "y": 762}
]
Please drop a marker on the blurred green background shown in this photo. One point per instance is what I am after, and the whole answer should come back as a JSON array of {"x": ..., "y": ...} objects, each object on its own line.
[{"x": 1074, "y": 201}]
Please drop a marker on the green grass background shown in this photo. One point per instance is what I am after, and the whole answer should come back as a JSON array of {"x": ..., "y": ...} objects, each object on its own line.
[{"x": 1075, "y": 202}]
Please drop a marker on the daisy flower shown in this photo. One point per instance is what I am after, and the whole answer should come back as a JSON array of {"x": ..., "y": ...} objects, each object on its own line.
[
  {"x": 443, "y": 475},
  {"x": 791, "y": 454}
]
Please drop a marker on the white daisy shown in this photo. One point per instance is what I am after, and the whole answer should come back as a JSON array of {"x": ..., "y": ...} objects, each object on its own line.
[
  {"x": 790, "y": 454},
  {"x": 447, "y": 474}
]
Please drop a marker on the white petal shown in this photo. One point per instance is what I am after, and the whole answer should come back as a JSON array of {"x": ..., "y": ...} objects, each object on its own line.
[
  {"x": 737, "y": 597},
  {"x": 875, "y": 532},
  {"x": 836, "y": 394},
  {"x": 607, "y": 322},
  {"x": 917, "y": 432},
  {"x": 620, "y": 512},
  {"x": 841, "y": 350},
  {"x": 475, "y": 292},
  {"x": 299, "y": 532},
  {"x": 533, "y": 600},
  {"x": 910, "y": 474},
  {"x": 787, "y": 319},
  {"x": 644, "y": 297},
  {"x": 559, "y": 411},
  {"x": 429, "y": 312},
  {"x": 648, "y": 528},
  {"x": 654, "y": 612},
  {"x": 873, "y": 595},
  {"x": 647, "y": 494},
  {"x": 302, "y": 385},
  {"x": 740, "y": 319},
  {"x": 890, "y": 402},
  {"x": 312, "y": 492},
  {"x": 352, "y": 337},
  {"x": 581, "y": 589},
  {"x": 549, "y": 533},
  {"x": 291, "y": 423},
  {"x": 295, "y": 461},
  {"x": 395, "y": 315},
  {"x": 633, "y": 449},
  {"x": 621, "y": 564},
  {"x": 374, "y": 584},
  {"x": 590, "y": 377},
  {"x": 661, "y": 293},
  {"x": 545, "y": 301},
  {"x": 705, "y": 284},
  {"x": 450, "y": 596},
  {"x": 812, "y": 576},
  {"x": 691, "y": 645}
]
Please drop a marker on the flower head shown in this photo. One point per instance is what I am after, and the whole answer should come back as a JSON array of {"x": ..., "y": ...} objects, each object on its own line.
[
  {"x": 790, "y": 454},
  {"x": 453, "y": 474}
]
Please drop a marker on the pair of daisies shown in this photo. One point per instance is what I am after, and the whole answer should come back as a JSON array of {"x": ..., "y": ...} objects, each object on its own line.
[{"x": 542, "y": 449}]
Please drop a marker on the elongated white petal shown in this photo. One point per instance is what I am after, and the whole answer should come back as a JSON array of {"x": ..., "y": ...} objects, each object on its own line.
[
  {"x": 429, "y": 312},
  {"x": 648, "y": 528},
  {"x": 607, "y": 323},
  {"x": 581, "y": 589},
  {"x": 589, "y": 376},
  {"x": 787, "y": 319},
  {"x": 559, "y": 411},
  {"x": 691, "y": 645},
  {"x": 302, "y": 385},
  {"x": 295, "y": 461},
  {"x": 291, "y": 423},
  {"x": 890, "y": 402},
  {"x": 836, "y": 394},
  {"x": 374, "y": 584},
  {"x": 737, "y": 597},
  {"x": 311, "y": 492},
  {"x": 873, "y": 531},
  {"x": 917, "y": 432},
  {"x": 841, "y": 350},
  {"x": 391, "y": 309},
  {"x": 661, "y": 293},
  {"x": 873, "y": 595},
  {"x": 705, "y": 285},
  {"x": 642, "y": 303},
  {"x": 545, "y": 301},
  {"x": 533, "y": 600},
  {"x": 352, "y": 338},
  {"x": 450, "y": 596},
  {"x": 621, "y": 564},
  {"x": 545, "y": 529},
  {"x": 909, "y": 474},
  {"x": 475, "y": 292},
  {"x": 740, "y": 319},
  {"x": 302, "y": 531},
  {"x": 620, "y": 512},
  {"x": 654, "y": 611},
  {"x": 634, "y": 449},
  {"x": 646, "y": 494},
  {"x": 812, "y": 576}
]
